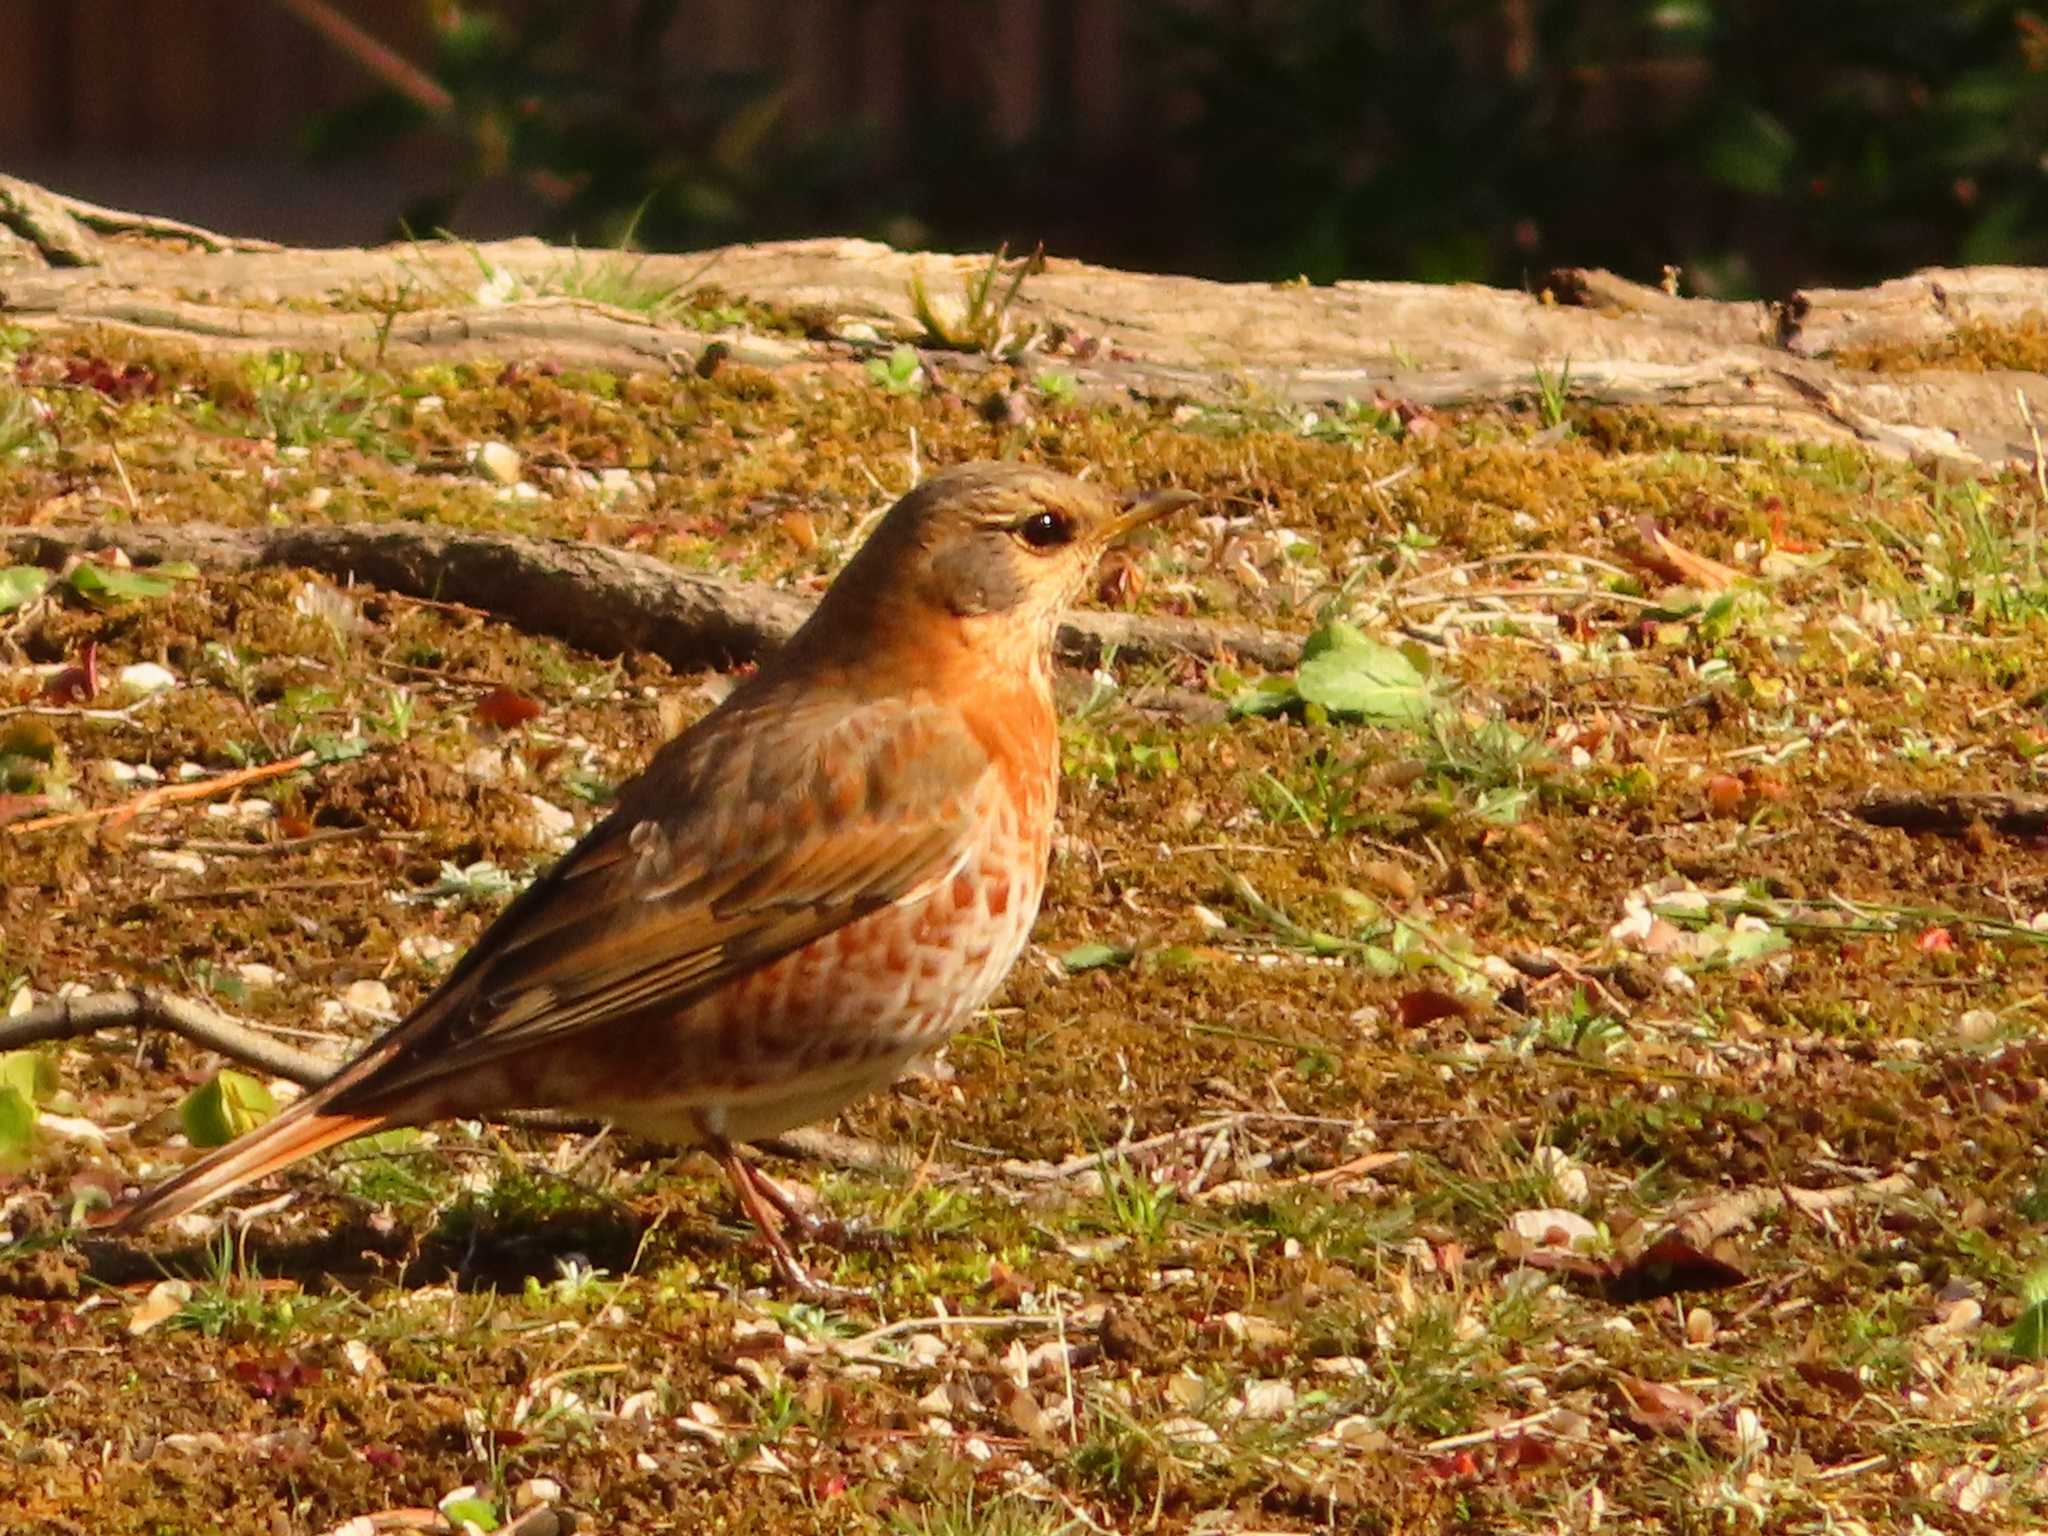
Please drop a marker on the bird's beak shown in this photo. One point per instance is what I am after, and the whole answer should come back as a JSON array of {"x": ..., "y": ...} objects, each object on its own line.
[{"x": 1154, "y": 504}]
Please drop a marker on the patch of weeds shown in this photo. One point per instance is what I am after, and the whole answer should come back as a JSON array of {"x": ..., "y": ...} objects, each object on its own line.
[
  {"x": 1105, "y": 755},
  {"x": 1580, "y": 1029},
  {"x": 1489, "y": 758},
  {"x": 970, "y": 1514},
  {"x": 1352, "y": 422},
  {"x": 981, "y": 321},
  {"x": 900, "y": 372},
  {"x": 577, "y": 1286},
  {"x": 1772, "y": 924},
  {"x": 1345, "y": 675},
  {"x": 1439, "y": 1366},
  {"x": 614, "y": 279},
  {"x": 482, "y": 884},
  {"x": 1056, "y": 387},
  {"x": 1876, "y": 1337},
  {"x": 1135, "y": 1204},
  {"x": 1386, "y": 942},
  {"x": 280, "y": 397},
  {"x": 1326, "y": 794},
  {"x": 232, "y": 1301},
  {"x": 1120, "y": 1457},
  {"x": 24, "y": 423},
  {"x": 1553, "y": 394},
  {"x": 387, "y": 1169},
  {"x": 931, "y": 1210},
  {"x": 1975, "y": 558},
  {"x": 1341, "y": 1229},
  {"x": 808, "y": 1320},
  {"x": 398, "y": 716}
]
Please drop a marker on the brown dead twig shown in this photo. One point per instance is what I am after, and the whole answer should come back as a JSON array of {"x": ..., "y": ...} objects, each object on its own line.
[
  {"x": 68, "y": 1018},
  {"x": 60, "y": 226},
  {"x": 1731, "y": 1213},
  {"x": 602, "y": 600},
  {"x": 151, "y": 801},
  {"x": 1954, "y": 815}
]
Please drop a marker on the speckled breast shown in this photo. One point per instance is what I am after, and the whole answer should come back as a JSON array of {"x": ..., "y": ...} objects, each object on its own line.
[{"x": 798, "y": 1039}]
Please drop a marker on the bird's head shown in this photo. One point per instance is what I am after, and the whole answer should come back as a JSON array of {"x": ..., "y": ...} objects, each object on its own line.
[{"x": 991, "y": 551}]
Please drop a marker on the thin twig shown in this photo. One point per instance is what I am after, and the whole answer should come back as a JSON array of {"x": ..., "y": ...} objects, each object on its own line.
[
  {"x": 1708, "y": 1225},
  {"x": 67, "y": 1018},
  {"x": 1123, "y": 1149},
  {"x": 227, "y": 848},
  {"x": 166, "y": 795},
  {"x": 1507, "y": 1431},
  {"x": 387, "y": 65},
  {"x": 863, "y": 1343},
  {"x": 265, "y": 888}
]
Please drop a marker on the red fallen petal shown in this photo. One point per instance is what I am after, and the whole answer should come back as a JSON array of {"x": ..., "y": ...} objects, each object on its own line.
[
  {"x": 1425, "y": 1005},
  {"x": 506, "y": 707}
]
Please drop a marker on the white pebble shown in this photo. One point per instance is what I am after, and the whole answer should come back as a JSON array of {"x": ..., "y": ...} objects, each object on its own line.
[
  {"x": 144, "y": 678},
  {"x": 500, "y": 461},
  {"x": 370, "y": 998}
]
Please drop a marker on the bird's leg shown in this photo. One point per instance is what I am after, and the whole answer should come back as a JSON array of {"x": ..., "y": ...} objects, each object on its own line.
[
  {"x": 798, "y": 1220},
  {"x": 767, "y": 1206}
]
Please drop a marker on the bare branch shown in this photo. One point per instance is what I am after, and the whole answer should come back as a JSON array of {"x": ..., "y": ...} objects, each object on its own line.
[{"x": 603, "y": 600}]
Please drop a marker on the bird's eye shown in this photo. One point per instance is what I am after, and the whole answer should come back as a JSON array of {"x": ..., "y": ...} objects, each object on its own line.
[{"x": 1046, "y": 530}]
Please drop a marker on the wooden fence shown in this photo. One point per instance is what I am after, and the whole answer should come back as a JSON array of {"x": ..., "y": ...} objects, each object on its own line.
[{"x": 193, "y": 79}]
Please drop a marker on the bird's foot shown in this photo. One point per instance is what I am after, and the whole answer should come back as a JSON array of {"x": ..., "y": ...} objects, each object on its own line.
[{"x": 777, "y": 1218}]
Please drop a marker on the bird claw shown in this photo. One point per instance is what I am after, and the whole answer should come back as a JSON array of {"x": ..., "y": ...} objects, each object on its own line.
[{"x": 778, "y": 1218}]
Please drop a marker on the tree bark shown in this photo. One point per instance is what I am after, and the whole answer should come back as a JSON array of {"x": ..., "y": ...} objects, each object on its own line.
[{"x": 1743, "y": 367}]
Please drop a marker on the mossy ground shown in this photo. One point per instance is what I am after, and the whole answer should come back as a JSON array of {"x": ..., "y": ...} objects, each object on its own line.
[{"x": 1316, "y": 1312}]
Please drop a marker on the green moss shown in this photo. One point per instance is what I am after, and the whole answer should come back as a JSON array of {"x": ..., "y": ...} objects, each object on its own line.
[{"x": 467, "y": 1266}]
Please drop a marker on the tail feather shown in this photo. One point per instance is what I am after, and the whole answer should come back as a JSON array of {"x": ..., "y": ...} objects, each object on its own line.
[{"x": 299, "y": 1132}]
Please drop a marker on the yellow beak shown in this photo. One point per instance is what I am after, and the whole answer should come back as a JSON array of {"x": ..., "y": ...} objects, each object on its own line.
[{"x": 1154, "y": 504}]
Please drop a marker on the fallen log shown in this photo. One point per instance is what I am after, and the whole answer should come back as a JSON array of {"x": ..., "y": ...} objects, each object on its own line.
[{"x": 607, "y": 601}]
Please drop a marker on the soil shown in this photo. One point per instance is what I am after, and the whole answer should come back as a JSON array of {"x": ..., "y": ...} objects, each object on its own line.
[{"x": 1406, "y": 1047}]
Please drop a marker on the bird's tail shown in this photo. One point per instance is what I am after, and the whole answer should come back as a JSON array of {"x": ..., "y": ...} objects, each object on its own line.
[{"x": 299, "y": 1132}]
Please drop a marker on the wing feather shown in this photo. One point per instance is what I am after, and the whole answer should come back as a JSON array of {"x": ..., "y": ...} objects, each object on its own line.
[{"x": 753, "y": 834}]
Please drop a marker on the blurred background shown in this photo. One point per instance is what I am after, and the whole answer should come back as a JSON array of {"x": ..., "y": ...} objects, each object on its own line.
[{"x": 1757, "y": 144}]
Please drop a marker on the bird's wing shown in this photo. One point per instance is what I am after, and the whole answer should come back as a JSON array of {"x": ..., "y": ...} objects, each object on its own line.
[{"x": 749, "y": 836}]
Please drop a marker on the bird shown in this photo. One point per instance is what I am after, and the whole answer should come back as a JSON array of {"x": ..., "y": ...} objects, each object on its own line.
[{"x": 821, "y": 879}]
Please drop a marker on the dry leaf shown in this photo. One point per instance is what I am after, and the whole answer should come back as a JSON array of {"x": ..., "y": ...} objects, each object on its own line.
[
  {"x": 1658, "y": 1409},
  {"x": 166, "y": 1299},
  {"x": 1675, "y": 563},
  {"x": 506, "y": 707}
]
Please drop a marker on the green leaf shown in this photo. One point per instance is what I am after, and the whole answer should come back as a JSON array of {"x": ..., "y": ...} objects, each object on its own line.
[
  {"x": 478, "y": 1512},
  {"x": 109, "y": 584},
  {"x": 21, "y": 585},
  {"x": 1268, "y": 696},
  {"x": 17, "y": 1128},
  {"x": 32, "y": 1074},
  {"x": 2029, "y": 1338},
  {"x": 386, "y": 1143},
  {"x": 1356, "y": 677},
  {"x": 229, "y": 1105},
  {"x": 1094, "y": 957}
]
